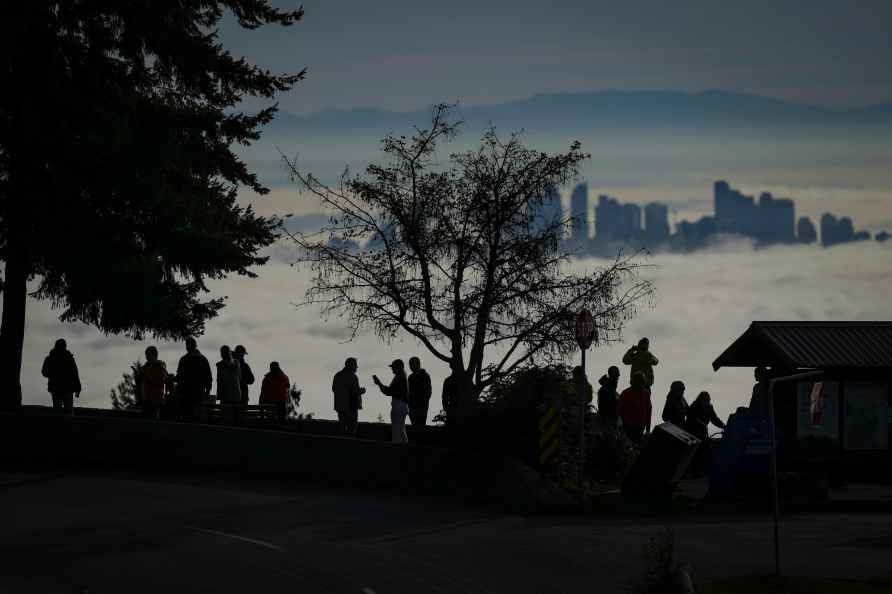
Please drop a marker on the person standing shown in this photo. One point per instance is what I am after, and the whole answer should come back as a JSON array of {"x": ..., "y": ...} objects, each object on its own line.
[
  {"x": 759, "y": 400},
  {"x": 152, "y": 382},
  {"x": 347, "y": 397},
  {"x": 246, "y": 375},
  {"x": 634, "y": 408},
  {"x": 675, "y": 410},
  {"x": 274, "y": 390},
  {"x": 607, "y": 396},
  {"x": 450, "y": 394},
  {"x": 193, "y": 380},
  {"x": 398, "y": 390},
  {"x": 700, "y": 415},
  {"x": 63, "y": 381},
  {"x": 641, "y": 359},
  {"x": 229, "y": 389},
  {"x": 419, "y": 393}
]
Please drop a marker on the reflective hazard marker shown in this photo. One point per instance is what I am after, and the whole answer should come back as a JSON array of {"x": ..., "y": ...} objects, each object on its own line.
[{"x": 549, "y": 436}]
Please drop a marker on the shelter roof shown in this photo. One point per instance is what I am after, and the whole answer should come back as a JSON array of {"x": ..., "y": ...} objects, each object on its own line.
[{"x": 812, "y": 345}]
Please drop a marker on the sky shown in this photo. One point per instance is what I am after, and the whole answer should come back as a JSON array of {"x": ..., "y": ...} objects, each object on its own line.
[{"x": 407, "y": 54}]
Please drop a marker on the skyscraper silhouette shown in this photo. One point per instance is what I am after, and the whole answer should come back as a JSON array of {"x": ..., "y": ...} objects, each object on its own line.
[
  {"x": 580, "y": 230},
  {"x": 656, "y": 223}
]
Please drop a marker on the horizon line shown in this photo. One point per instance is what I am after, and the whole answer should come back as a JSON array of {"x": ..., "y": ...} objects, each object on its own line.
[{"x": 521, "y": 99}]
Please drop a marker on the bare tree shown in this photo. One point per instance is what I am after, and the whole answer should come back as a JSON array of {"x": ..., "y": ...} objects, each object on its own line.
[{"x": 466, "y": 258}]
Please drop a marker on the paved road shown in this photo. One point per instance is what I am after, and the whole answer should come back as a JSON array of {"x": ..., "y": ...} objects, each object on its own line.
[{"x": 108, "y": 534}]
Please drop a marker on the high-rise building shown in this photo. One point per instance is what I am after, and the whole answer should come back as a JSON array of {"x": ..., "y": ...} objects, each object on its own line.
[
  {"x": 845, "y": 230},
  {"x": 721, "y": 197},
  {"x": 776, "y": 219},
  {"x": 631, "y": 228},
  {"x": 608, "y": 219},
  {"x": 805, "y": 231},
  {"x": 770, "y": 220},
  {"x": 548, "y": 213},
  {"x": 656, "y": 223},
  {"x": 698, "y": 232},
  {"x": 734, "y": 212},
  {"x": 579, "y": 211},
  {"x": 842, "y": 230},
  {"x": 785, "y": 220},
  {"x": 828, "y": 229}
]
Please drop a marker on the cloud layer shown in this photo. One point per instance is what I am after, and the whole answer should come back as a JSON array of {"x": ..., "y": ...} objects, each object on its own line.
[{"x": 704, "y": 302}]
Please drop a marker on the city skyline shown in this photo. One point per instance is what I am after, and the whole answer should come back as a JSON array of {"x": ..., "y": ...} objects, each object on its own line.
[{"x": 767, "y": 220}]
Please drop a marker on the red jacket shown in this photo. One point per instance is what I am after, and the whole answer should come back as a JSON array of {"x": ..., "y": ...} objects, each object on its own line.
[
  {"x": 154, "y": 377},
  {"x": 634, "y": 407},
  {"x": 274, "y": 388}
]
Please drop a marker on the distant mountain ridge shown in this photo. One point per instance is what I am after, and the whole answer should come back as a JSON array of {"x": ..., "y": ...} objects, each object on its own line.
[{"x": 605, "y": 110}]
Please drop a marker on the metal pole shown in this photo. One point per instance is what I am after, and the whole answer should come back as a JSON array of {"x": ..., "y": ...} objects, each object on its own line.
[
  {"x": 582, "y": 394},
  {"x": 775, "y": 504},
  {"x": 773, "y": 470}
]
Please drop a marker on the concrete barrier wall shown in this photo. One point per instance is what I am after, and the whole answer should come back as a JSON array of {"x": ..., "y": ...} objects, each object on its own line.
[
  {"x": 137, "y": 443},
  {"x": 430, "y": 435}
]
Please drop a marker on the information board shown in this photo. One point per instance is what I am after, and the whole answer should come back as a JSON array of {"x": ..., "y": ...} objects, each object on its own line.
[{"x": 866, "y": 419}]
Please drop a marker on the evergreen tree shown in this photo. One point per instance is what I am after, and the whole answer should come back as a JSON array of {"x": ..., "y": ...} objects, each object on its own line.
[
  {"x": 125, "y": 395},
  {"x": 117, "y": 177}
]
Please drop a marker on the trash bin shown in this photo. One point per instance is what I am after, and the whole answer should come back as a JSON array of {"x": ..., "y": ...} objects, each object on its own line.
[{"x": 662, "y": 462}]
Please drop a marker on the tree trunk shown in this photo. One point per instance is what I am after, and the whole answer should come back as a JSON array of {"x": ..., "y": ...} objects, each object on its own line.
[
  {"x": 467, "y": 397},
  {"x": 12, "y": 327}
]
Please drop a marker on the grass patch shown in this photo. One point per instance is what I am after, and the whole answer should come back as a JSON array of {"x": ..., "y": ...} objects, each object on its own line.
[{"x": 770, "y": 584}]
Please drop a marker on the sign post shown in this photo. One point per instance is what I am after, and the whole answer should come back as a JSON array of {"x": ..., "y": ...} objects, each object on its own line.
[
  {"x": 585, "y": 334},
  {"x": 775, "y": 503}
]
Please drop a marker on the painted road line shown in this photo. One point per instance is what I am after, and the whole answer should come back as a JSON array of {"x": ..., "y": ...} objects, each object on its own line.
[{"x": 259, "y": 543}]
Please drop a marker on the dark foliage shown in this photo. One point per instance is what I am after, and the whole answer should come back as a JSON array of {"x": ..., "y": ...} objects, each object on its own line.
[
  {"x": 508, "y": 416},
  {"x": 117, "y": 177},
  {"x": 661, "y": 567},
  {"x": 125, "y": 396},
  {"x": 507, "y": 421},
  {"x": 609, "y": 454}
]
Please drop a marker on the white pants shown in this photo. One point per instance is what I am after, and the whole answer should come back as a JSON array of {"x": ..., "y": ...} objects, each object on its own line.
[{"x": 398, "y": 412}]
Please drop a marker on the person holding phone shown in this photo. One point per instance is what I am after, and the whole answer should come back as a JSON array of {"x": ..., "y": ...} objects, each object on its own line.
[{"x": 398, "y": 390}]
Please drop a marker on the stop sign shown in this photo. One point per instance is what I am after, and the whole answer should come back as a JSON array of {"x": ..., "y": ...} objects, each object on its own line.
[{"x": 585, "y": 329}]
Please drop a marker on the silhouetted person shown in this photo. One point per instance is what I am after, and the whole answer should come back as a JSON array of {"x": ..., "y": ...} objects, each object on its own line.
[
  {"x": 581, "y": 384},
  {"x": 398, "y": 390},
  {"x": 607, "y": 396},
  {"x": 451, "y": 392},
  {"x": 419, "y": 393},
  {"x": 152, "y": 382},
  {"x": 700, "y": 415},
  {"x": 194, "y": 380},
  {"x": 641, "y": 359},
  {"x": 63, "y": 381},
  {"x": 246, "y": 375},
  {"x": 347, "y": 397},
  {"x": 274, "y": 390},
  {"x": 634, "y": 408},
  {"x": 675, "y": 410},
  {"x": 759, "y": 400},
  {"x": 229, "y": 388}
]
